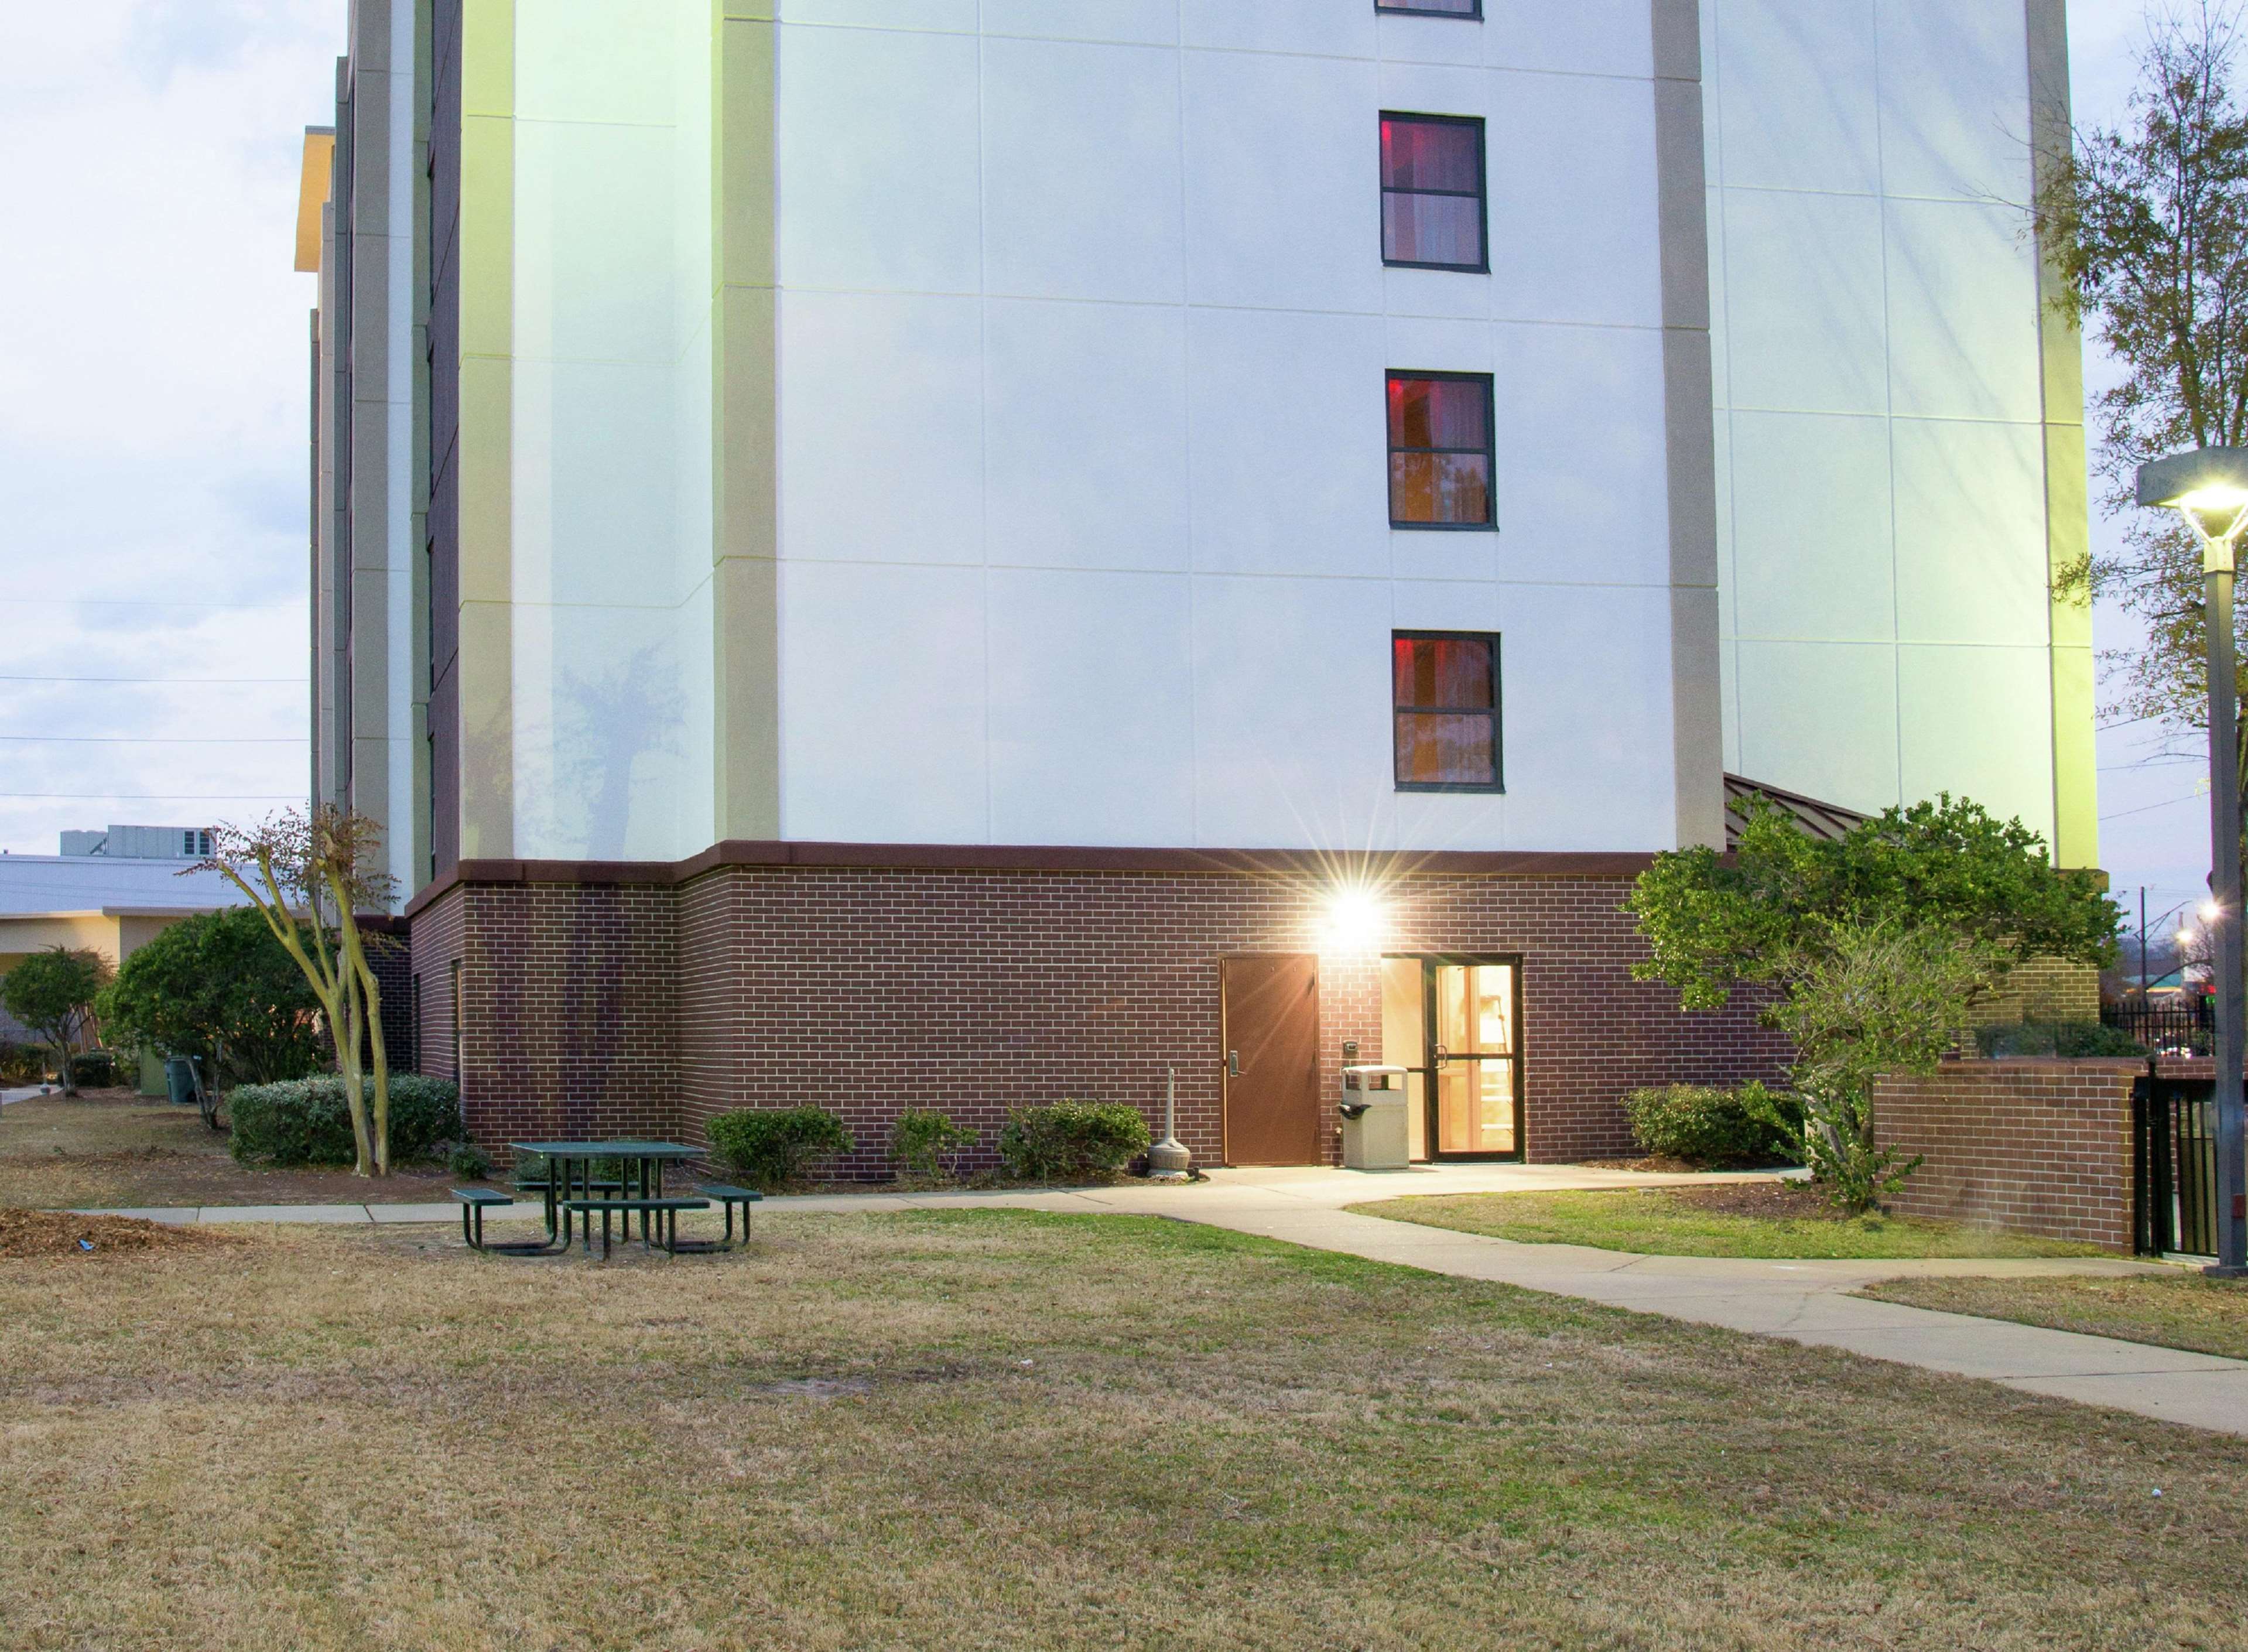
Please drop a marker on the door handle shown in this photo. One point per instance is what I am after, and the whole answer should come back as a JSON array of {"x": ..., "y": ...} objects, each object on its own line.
[{"x": 1233, "y": 1063}]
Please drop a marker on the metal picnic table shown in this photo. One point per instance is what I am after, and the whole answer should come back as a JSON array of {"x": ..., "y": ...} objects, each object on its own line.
[{"x": 570, "y": 1164}]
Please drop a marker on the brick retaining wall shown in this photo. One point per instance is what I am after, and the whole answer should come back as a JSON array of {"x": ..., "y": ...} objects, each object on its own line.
[
  {"x": 626, "y": 1008},
  {"x": 2034, "y": 1147}
]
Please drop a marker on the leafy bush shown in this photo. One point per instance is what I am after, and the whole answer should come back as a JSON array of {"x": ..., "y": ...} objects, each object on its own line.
[
  {"x": 219, "y": 987},
  {"x": 306, "y": 1120},
  {"x": 1072, "y": 1141},
  {"x": 768, "y": 1146},
  {"x": 22, "y": 1063},
  {"x": 1719, "y": 1129},
  {"x": 96, "y": 1068},
  {"x": 2072, "y": 1040},
  {"x": 469, "y": 1162},
  {"x": 923, "y": 1136}
]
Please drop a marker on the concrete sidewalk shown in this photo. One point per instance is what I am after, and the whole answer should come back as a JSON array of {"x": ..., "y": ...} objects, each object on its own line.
[{"x": 1804, "y": 1302}]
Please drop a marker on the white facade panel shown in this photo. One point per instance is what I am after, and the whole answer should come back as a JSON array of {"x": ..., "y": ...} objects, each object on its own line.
[
  {"x": 1084, "y": 511},
  {"x": 1882, "y": 487},
  {"x": 1081, "y": 171},
  {"x": 1085, "y": 421}
]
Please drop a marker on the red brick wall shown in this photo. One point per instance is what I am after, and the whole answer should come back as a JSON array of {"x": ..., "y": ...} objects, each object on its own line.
[
  {"x": 868, "y": 989},
  {"x": 2033, "y": 1147}
]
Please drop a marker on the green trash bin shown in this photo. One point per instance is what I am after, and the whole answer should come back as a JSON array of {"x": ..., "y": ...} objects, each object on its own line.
[{"x": 180, "y": 1080}]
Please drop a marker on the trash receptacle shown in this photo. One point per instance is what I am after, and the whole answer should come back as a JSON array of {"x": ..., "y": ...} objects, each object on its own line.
[
  {"x": 1376, "y": 1135},
  {"x": 180, "y": 1079}
]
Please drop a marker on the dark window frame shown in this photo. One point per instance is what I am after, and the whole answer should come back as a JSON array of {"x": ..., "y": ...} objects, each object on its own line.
[
  {"x": 1489, "y": 450},
  {"x": 1496, "y": 711},
  {"x": 1405, "y": 9},
  {"x": 1482, "y": 266}
]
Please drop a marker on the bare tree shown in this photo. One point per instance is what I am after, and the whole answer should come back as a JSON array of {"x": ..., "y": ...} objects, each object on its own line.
[{"x": 310, "y": 877}]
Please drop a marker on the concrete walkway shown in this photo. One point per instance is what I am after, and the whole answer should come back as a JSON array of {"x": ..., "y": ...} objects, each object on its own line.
[{"x": 1804, "y": 1302}]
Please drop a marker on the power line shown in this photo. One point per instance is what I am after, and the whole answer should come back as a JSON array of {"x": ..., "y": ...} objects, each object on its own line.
[
  {"x": 142, "y": 602},
  {"x": 230, "y": 681},
  {"x": 2191, "y": 797},
  {"x": 157, "y": 796},
  {"x": 161, "y": 739}
]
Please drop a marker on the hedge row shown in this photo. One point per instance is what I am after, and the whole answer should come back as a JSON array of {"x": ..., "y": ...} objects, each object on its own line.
[{"x": 306, "y": 1120}]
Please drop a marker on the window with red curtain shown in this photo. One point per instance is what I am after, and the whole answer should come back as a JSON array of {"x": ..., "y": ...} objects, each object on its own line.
[
  {"x": 1441, "y": 452},
  {"x": 1432, "y": 192},
  {"x": 1444, "y": 702},
  {"x": 1472, "y": 10}
]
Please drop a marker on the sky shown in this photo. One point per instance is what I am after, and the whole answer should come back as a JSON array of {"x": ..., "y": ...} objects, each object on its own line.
[{"x": 152, "y": 431}]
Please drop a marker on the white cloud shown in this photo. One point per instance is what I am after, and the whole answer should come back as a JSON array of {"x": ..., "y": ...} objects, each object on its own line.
[{"x": 152, "y": 424}]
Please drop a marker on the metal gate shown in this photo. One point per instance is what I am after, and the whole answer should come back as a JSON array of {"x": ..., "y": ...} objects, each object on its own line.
[{"x": 2174, "y": 1132}]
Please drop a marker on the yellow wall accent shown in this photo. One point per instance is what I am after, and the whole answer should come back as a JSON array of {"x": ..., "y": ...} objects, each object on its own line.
[{"x": 312, "y": 186}]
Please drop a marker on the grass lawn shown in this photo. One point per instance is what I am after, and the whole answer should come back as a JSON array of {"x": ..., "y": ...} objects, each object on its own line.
[
  {"x": 1006, "y": 1430},
  {"x": 114, "y": 1150},
  {"x": 2172, "y": 1311},
  {"x": 1783, "y": 1219}
]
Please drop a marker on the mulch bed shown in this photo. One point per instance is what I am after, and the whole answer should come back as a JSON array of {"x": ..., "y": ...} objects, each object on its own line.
[{"x": 30, "y": 1233}]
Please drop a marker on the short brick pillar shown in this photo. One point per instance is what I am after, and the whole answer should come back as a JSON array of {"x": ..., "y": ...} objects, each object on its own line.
[{"x": 2034, "y": 1147}]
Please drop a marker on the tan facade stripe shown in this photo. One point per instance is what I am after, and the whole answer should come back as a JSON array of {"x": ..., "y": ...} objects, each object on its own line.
[
  {"x": 1689, "y": 425},
  {"x": 745, "y": 481},
  {"x": 2068, "y": 528},
  {"x": 486, "y": 671}
]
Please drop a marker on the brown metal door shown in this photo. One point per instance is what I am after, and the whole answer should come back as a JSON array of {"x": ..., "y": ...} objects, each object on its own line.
[{"x": 1270, "y": 1021}]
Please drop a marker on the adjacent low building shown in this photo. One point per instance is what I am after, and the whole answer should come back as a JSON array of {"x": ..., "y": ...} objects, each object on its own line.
[{"x": 961, "y": 554}]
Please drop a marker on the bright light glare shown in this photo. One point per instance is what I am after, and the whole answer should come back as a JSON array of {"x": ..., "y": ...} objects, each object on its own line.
[
  {"x": 2210, "y": 911},
  {"x": 2217, "y": 496},
  {"x": 1355, "y": 917},
  {"x": 2185, "y": 936}
]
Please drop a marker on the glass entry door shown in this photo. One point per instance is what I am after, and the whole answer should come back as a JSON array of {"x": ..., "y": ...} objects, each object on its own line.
[{"x": 1474, "y": 1021}]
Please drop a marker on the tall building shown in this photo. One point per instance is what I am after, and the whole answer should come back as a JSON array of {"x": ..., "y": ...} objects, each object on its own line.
[{"x": 966, "y": 551}]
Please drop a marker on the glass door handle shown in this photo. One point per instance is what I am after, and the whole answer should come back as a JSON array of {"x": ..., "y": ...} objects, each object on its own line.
[{"x": 1233, "y": 1063}]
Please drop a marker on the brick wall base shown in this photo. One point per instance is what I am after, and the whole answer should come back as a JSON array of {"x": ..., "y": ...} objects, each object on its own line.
[
  {"x": 613, "y": 1009},
  {"x": 2041, "y": 1148}
]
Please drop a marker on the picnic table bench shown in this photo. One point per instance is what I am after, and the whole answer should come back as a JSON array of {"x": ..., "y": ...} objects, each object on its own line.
[{"x": 665, "y": 1213}]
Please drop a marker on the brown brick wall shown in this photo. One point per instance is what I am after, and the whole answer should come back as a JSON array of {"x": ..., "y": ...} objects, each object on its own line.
[
  {"x": 866, "y": 990},
  {"x": 2042, "y": 989},
  {"x": 2033, "y": 1147}
]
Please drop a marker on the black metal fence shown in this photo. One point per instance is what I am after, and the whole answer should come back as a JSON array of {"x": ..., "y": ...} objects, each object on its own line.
[
  {"x": 2174, "y": 1171},
  {"x": 2172, "y": 1027}
]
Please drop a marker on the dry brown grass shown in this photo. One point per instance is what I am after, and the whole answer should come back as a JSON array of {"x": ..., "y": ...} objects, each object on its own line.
[
  {"x": 1000, "y": 1430},
  {"x": 114, "y": 1150}
]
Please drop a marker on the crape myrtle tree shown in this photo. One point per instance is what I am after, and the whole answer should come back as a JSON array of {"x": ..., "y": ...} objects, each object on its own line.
[
  {"x": 1867, "y": 950},
  {"x": 308, "y": 877},
  {"x": 2146, "y": 226},
  {"x": 52, "y": 993},
  {"x": 219, "y": 987}
]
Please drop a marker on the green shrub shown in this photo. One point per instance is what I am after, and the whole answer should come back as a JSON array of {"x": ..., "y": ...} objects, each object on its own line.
[
  {"x": 2072, "y": 1040},
  {"x": 768, "y": 1146},
  {"x": 96, "y": 1069},
  {"x": 1707, "y": 1126},
  {"x": 306, "y": 1120},
  {"x": 1072, "y": 1141},
  {"x": 923, "y": 1136},
  {"x": 468, "y": 1162},
  {"x": 22, "y": 1063}
]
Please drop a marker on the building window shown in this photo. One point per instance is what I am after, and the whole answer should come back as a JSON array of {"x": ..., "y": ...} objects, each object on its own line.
[
  {"x": 1432, "y": 192},
  {"x": 1441, "y": 456},
  {"x": 1470, "y": 10},
  {"x": 1444, "y": 700}
]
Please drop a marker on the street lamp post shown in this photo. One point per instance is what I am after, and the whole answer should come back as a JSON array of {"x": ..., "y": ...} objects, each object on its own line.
[{"x": 2208, "y": 488}]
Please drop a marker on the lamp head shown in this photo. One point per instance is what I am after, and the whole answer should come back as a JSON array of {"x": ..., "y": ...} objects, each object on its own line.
[{"x": 2209, "y": 487}]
